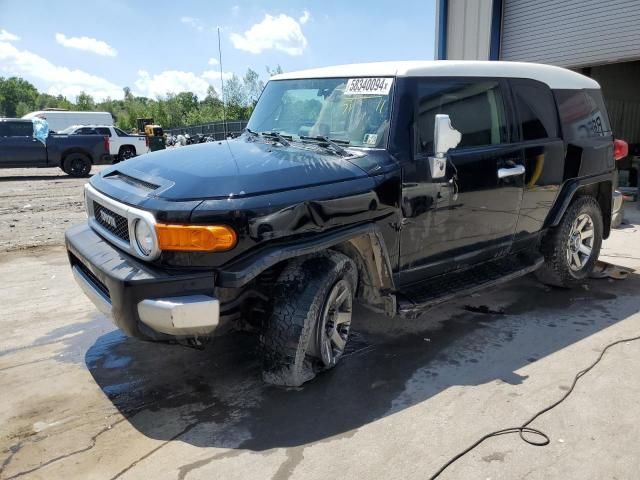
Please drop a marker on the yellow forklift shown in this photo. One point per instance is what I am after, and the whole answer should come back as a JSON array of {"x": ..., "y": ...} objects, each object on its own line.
[{"x": 153, "y": 133}]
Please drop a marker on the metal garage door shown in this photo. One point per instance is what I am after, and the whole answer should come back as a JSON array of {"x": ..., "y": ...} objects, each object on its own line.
[{"x": 571, "y": 33}]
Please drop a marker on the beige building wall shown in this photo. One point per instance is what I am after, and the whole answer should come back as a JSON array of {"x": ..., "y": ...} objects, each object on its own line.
[{"x": 469, "y": 29}]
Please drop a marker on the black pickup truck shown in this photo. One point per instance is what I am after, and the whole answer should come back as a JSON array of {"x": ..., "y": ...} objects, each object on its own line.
[
  {"x": 73, "y": 154},
  {"x": 397, "y": 185}
]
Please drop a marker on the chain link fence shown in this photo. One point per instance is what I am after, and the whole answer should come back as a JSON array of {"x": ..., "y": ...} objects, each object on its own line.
[{"x": 214, "y": 129}]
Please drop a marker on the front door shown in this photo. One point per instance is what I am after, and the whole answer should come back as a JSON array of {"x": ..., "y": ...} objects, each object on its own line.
[
  {"x": 471, "y": 214},
  {"x": 18, "y": 148}
]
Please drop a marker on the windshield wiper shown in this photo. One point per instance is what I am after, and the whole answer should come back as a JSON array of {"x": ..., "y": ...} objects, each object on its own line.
[
  {"x": 328, "y": 142},
  {"x": 283, "y": 141},
  {"x": 276, "y": 135}
]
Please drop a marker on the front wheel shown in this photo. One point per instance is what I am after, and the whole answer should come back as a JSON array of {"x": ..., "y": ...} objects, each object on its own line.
[
  {"x": 308, "y": 329},
  {"x": 572, "y": 248}
]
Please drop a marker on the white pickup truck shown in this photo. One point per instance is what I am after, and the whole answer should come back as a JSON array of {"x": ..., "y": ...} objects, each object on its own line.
[{"x": 121, "y": 145}]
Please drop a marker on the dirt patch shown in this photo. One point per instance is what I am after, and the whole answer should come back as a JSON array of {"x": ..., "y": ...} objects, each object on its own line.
[{"x": 37, "y": 206}]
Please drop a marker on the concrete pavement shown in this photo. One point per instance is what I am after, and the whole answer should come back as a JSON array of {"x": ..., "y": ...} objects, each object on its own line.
[{"x": 79, "y": 400}]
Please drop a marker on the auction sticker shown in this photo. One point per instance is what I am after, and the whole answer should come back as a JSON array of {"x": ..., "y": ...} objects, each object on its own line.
[
  {"x": 368, "y": 86},
  {"x": 370, "y": 138}
]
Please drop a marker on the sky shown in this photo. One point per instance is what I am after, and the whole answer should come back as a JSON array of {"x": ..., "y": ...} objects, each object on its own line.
[{"x": 156, "y": 47}]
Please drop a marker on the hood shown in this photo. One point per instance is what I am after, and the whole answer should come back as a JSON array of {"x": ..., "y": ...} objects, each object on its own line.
[{"x": 235, "y": 168}]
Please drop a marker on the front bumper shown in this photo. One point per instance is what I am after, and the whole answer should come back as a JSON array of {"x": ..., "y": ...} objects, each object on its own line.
[{"x": 142, "y": 300}]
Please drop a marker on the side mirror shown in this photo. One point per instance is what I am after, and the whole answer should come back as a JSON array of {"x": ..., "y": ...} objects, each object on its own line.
[{"x": 445, "y": 137}]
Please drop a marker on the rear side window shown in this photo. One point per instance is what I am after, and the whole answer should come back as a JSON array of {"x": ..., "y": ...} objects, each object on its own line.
[
  {"x": 536, "y": 108},
  {"x": 120, "y": 133},
  {"x": 475, "y": 107},
  {"x": 103, "y": 131},
  {"x": 86, "y": 131},
  {"x": 583, "y": 114},
  {"x": 19, "y": 129}
]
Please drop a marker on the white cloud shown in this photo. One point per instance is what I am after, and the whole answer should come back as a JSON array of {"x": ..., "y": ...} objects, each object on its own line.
[
  {"x": 87, "y": 44},
  {"x": 8, "y": 36},
  {"x": 213, "y": 61},
  {"x": 305, "y": 17},
  {"x": 278, "y": 33},
  {"x": 176, "y": 81},
  {"x": 214, "y": 76},
  {"x": 57, "y": 80},
  {"x": 193, "y": 22}
]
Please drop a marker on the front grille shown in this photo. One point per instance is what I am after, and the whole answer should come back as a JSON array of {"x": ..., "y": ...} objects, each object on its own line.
[
  {"x": 111, "y": 221},
  {"x": 95, "y": 280}
]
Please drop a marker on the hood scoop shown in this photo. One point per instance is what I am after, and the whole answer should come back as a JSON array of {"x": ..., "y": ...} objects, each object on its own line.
[
  {"x": 136, "y": 182},
  {"x": 137, "y": 179}
]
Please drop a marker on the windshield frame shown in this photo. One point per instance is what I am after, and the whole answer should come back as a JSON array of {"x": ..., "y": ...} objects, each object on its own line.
[{"x": 390, "y": 116}]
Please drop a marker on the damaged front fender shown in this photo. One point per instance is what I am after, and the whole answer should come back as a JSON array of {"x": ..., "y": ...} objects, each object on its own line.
[{"x": 363, "y": 243}]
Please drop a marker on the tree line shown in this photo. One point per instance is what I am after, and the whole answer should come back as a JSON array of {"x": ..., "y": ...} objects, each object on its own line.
[{"x": 19, "y": 97}]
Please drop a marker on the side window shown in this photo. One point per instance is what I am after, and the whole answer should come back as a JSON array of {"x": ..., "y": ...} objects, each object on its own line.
[
  {"x": 103, "y": 131},
  {"x": 536, "y": 108},
  {"x": 85, "y": 131},
  {"x": 583, "y": 114},
  {"x": 120, "y": 133},
  {"x": 20, "y": 129},
  {"x": 475, "y": 107},
  {"x": 4, "y": 129}
]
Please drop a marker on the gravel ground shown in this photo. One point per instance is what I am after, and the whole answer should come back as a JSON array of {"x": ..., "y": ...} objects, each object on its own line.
[{"x": 37, "y": 206}]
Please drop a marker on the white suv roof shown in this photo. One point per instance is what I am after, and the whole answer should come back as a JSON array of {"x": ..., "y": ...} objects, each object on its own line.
[{"x": 554, "y": 77}]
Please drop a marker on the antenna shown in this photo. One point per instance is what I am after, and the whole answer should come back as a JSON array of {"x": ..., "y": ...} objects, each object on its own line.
[{"x": 224, "y": 106}]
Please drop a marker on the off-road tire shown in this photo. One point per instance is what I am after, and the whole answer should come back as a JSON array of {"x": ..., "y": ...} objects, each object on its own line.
[
  {"x": 126, "y": 152},
  {"x": 77, "y": 165},
  {"x": 298, "y": 302},
  {"x": 556, "y": 270}
]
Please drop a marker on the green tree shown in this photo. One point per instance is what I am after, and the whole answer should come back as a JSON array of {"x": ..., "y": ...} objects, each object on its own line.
[
  {"x": 235, "y": 97},
  {"x": 22, "y": 109},
  {"x": 128, "y": 96},
  {"x": 18, "y": 96},
  {"x": 13, "y": 91},
  {"x": 277, "y": 70},
  {"x": 85, "y": 102},
  {"x": 253, "y": 87}
]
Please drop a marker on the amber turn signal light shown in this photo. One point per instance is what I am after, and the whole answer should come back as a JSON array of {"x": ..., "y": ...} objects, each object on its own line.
[{"x": 196, "y": 238}]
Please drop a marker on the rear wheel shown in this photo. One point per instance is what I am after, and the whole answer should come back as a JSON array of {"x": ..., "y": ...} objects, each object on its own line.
[
  {"x": 126, "y": 153},
  {"x": 77, "y": 165},
  {"x": 308, "y": 329},
  {"x": 572, "y": 248}
]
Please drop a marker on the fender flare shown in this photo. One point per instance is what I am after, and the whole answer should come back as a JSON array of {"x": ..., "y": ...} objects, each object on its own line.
[
  {"x": 69, "y": 151},
  {"x": 363, "y": 243},
  {"x": 568, "y": 192},
  {"x": 130, "y": 145}
]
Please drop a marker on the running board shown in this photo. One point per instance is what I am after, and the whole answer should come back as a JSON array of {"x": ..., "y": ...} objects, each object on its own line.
[{"x": 413, "y": 300}]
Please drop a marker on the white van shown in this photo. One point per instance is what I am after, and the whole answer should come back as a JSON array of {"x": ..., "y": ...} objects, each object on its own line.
[{"x": 59, "y": 120}]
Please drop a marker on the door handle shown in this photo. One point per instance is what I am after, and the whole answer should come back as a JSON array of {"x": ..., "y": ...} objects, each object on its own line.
[{"x": 509, "y": 172}]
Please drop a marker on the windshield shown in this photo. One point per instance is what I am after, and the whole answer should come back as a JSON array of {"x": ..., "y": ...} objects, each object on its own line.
[{"x": 352, "y": 110}]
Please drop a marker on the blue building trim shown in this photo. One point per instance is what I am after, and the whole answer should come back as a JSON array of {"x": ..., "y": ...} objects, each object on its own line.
[
  {"x": 443, "y": 20},
  {"x": 496, "y": 30}
]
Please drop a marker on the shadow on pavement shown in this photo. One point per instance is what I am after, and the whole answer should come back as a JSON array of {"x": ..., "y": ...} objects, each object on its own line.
[
  {"x": 215, "y": 397},
  {"x": 24, "y": 178}
]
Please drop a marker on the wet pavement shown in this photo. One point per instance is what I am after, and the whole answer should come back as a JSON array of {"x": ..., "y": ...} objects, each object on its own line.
[{"x": 80, "y": 400}]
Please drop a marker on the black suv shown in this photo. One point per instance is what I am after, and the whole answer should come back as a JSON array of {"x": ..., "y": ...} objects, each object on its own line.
[{"x": 398, "y": 185}]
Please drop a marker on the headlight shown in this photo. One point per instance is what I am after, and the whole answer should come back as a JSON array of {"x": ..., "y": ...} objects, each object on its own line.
[{"x": 145, "y": 237}]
